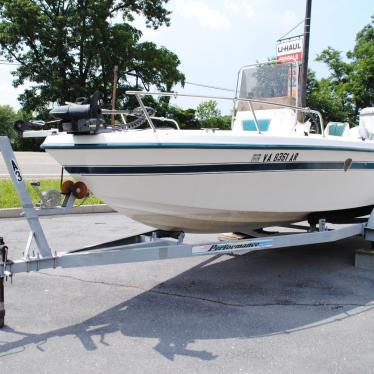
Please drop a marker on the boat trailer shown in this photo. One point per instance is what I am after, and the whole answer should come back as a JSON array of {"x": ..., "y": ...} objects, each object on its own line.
[{"x": 153, "y": 245}]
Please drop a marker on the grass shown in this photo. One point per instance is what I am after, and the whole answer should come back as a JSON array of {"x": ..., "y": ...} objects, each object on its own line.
[{"x": 9, "y": 198}]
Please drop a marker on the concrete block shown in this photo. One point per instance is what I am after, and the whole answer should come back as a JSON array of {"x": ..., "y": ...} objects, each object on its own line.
[{"x": 364, "y": 259}]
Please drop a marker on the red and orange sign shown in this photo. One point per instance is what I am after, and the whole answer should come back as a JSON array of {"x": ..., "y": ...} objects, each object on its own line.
[{"x": 290, "y": 50}]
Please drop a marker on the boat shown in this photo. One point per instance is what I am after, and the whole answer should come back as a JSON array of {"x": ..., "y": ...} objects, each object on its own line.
[{"x": 274, "y": 166}]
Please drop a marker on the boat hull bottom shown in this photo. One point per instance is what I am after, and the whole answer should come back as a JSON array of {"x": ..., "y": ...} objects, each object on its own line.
[
  {"x": 214, "y": 223},
  {"x": 238, "y": 222}
]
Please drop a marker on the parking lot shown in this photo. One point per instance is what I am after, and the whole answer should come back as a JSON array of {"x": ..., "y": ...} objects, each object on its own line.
[{"x": 306, "y": 309}]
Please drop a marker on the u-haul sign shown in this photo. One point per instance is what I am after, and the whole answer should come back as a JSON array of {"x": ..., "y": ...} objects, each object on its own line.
[{"x": 290, "y": 50}]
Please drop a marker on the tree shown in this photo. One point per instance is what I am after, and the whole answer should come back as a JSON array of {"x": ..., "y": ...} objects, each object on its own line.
[
  {"x": 207, "y": 110},
  {"x": 361, "y": 83},
  {"x": 322, "y": 97},
  {"x": 68, "y": 48},
  {"x": 186, "y": 118},
  {"x": 7, "y": 118},
  {"x": 350, "y": 85},
  {"x": 208, "y": 115},
  {"x": 333, "y": 92}
]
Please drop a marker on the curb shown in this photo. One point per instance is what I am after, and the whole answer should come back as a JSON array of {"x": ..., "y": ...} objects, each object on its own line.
[{"x": 83, "y": 209}]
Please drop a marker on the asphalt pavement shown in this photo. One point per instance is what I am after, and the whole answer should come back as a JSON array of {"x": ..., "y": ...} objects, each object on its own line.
[
  {"x": 305, "y": 309},
  {"x": 34, "y": 165}
]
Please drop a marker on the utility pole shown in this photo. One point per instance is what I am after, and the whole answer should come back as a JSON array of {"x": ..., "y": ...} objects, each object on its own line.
[
  {"x": 114, "y": 91},
  {"x": 304, "y": 65}
]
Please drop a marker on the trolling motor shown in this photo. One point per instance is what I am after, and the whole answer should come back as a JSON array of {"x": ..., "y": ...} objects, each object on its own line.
[
  {"x": 73, "y": 118},
  {"x": 88, "y": 118},
  {"x": 80, "y": 118}
]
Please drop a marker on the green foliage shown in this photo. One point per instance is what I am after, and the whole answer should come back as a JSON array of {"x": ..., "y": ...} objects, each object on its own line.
[
  {"x": 222, "y": 123},
  {"x": 209, "y": 116},
  {"x": 350, "y": 85},
  {"x": 69, "y": 48},
  {"x": 207, "y": 110},
  {"x": 206, "y": 115},
  {"x": 322, "y": 97},
  {"x": 27, "y": 144},
  {"x": 186, "y": 118},
  {"x": 361, "y": 83},
  {"x": 7, "y": 118}
]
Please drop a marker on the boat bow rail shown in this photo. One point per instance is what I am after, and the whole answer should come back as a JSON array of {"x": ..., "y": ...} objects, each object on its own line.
[
  {"x": 254, "y": 92},
  {"x": 139, "y": 94}
]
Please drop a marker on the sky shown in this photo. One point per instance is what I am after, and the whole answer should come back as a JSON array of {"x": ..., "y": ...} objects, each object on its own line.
[{"x": 214, "y": 38}]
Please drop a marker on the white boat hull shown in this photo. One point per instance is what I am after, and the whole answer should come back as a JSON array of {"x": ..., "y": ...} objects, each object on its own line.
[{"x": 213, "y": 182}]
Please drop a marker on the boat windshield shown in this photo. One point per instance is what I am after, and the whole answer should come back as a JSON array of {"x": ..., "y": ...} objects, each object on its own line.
[{"x": 271, "y": 82}]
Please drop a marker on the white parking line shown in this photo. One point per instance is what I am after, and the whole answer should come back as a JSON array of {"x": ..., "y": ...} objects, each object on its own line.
[{"x": 32, "y": 175}]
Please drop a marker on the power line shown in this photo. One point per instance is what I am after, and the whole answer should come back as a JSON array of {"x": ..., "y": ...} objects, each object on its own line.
[
  {"x": 207, "y": 86},
  {"x": 294, "y": 28},
  {"x": 5, "y": 62}
]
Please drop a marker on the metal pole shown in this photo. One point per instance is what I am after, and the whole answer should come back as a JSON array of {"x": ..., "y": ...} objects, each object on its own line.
[
  {"x": 3, "y": 249},
  {"x": 24, "y": 197},
  {"x": 176, "y": 94},
  {"x": 304, "y": 65},
  {"x": 255, "y": 118},
  {"x": 114, "y": 90},
  {"x": 2, "y": 305},
  {"x": 147, "y": 116}
]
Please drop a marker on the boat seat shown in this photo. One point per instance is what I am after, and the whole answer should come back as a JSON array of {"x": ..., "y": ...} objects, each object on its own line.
[
  {"x": 250, "y": 124},
  {"x": 366, "y": 125},
  {"x": 337, "y": 129},
  {"x": 274, "y": 121},
  {"x": 303, "y": 129}
]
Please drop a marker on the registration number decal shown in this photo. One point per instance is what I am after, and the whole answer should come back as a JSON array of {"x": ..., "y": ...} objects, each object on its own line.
[{"x": 275, "y": 157}]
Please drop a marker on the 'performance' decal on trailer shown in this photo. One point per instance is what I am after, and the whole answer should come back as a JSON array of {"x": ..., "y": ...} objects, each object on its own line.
[
  {"x": 16, "y": 171},
  {"x": 228, "y": 247}
]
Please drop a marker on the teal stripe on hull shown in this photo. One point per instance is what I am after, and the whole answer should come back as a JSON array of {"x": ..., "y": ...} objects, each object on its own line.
[
  {"x": 214, "y": 168},
  {"x": 205, "y": 146}
]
